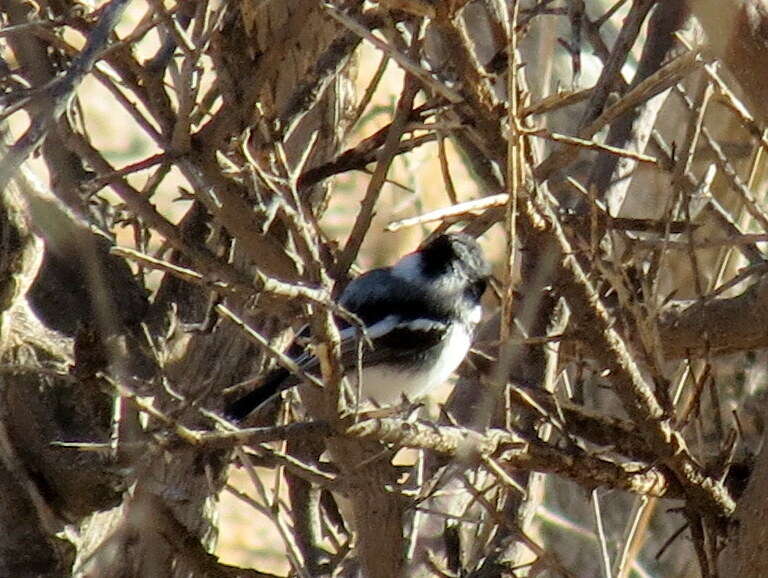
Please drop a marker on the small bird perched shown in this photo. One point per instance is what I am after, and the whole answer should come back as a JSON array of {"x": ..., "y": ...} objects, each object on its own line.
[{"x": 419, "y": 315}]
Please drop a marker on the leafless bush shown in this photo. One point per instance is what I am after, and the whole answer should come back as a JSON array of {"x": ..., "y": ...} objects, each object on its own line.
[{"x": 205, "y": 176}]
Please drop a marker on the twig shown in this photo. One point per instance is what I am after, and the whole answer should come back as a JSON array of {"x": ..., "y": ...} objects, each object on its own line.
[
  {"x": 364, "y": 153},
  {"x": 515, "y": 181},
  {"x": 666, "y": 77},
  {"x": 729, "y": 99},
  {"x": 445, "y": 169},
  {"x": 609, "y": 177},
  {"x": 60, "y": 91},
  {"x": 555, "y": 102},
  {"x": 632, "y": 389},
  {"x": 743, "y": 239},
  {"x": 143, "y": 165},
  {"x": 591, "y": 145},
  {"x": 602, "y": 540},
  {"x": 293, "y": 550},
  {"x": 388, "y": 152},
  {"x": 515, "y": 452},
  {"x": 325, "y": 69},
  {"x": 404, "y": 61},
  {"x": 370, "y": 90},
  {"x": 456, "y": 210},
  {"x": 183, "y": 273},
  {"x": 26, "y": 27},
  {"x": 208, "y": 263},
  {"x": 612, "y": 68},
  {"x": 278, "y": 356},
  {"x": 259, "y": 435}
]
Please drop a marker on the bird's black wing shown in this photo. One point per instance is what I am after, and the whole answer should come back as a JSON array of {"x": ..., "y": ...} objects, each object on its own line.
[
  {"x": 397, "y": 330},
  {"x": 275, "y": 382}
]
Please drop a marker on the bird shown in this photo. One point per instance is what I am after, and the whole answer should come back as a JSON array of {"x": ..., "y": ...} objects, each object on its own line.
[{"x": 419, "y": 315}]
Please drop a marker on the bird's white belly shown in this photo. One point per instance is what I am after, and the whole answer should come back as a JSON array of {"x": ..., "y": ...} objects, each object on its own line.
[{"x": 385, "y": 385}]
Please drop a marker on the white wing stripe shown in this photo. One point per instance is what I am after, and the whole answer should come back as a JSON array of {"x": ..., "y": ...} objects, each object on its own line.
[{"x": 391, "y": 323}]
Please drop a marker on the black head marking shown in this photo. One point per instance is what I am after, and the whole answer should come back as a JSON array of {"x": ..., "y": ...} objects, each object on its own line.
[{"x": 456, "y": 250}]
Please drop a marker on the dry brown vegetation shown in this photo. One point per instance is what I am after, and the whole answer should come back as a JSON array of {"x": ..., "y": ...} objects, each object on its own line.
[{"x": 187, "y": 182}]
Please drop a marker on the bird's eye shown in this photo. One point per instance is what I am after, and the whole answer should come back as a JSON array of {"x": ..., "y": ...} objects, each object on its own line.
[{"x": 476, "y": 289}]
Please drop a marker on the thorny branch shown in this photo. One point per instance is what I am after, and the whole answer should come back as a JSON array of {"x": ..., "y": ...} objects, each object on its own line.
[
  {"x": 60, "y": 91},
  {"x": 649, "y": 292}
]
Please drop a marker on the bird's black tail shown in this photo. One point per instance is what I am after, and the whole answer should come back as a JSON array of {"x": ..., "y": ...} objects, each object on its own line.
[{"x": 239, "y": 409}]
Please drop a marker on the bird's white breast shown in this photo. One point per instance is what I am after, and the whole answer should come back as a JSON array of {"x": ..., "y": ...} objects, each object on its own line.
[{"x": 384, "y": 384}]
